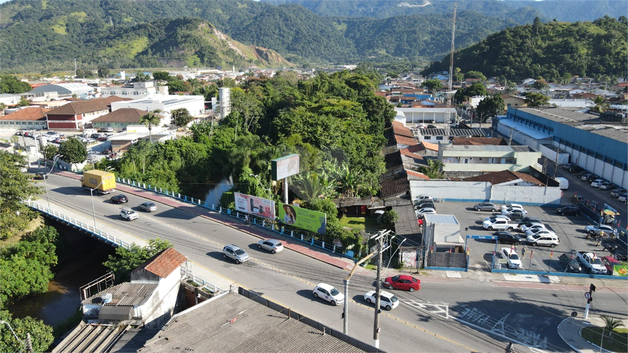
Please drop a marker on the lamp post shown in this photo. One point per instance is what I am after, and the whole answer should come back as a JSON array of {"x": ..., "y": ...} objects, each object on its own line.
[
  {"x": 27, "y": 344},
  {"x": 91, "y": 193},
  {"x": 54, "y": 162}
]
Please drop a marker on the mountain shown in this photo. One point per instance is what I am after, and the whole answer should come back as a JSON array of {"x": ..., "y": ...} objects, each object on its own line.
[
  {"x": 551, "y": 50},
  {"x": 561, "y": 10}
]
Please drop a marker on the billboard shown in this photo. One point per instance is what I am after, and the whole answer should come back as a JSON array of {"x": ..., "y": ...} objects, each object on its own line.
[
  {"x": 303, "y": 218},
  {"x": 254, "y": 205},
  {"x": 284, "y": 167}
]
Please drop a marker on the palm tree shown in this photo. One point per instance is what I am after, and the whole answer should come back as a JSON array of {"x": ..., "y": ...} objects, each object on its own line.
[
  {"x": 611, "y": 323},
  {"x": 150, "y": 119}
]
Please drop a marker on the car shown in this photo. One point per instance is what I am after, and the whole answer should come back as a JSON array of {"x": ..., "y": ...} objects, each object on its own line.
[
  {"x": 596, "y": 230},
  {"x": 403, "y": 282},
  {"x": 41, "y": 176},
  {"x": 147, "y": 207},
  {"x": 607, "y": 185},
  {"x": 101, "y": 138},
  {"x": 512, "y": 258},
  {"x": 535, "y": 231},
  {"x": 485, "y": 206},
  {"x": 494, "y": 217},
  {"x": 530, "y": 220},
  {"x": 543, "y": 238},
  {"x": 94, "y": 136},
  {"x": 234, "y": 253},
  {"x": 572, "y": 210},
  {"x": 272, "y": 245},
  {"x": 504, "y": 237},
  {"x": 623, "y": 197},
  {"x": 387, "y": 300},
  {"x": 571, "y": 264},
  {"x": 506, "y": 210},
  {"x": 617, "y": 192},
  {"x": 423, "y": 197},
  {"x": 120, "y": 198},
  {"x": 423, "y": 204},
  {"x": 329, "y": 293},
  {"x": 597, "y": 182},
  {"x": 585, "y": 176},
  {"x": 106, "y": 129},
  {"x": 128, "y": 214},
  {"x": 610, "y": 262},
  {"x": 423, "y": 211},
  {"x": 525, "y": 227},
  {"x": 592, "y": 177},
  {"x": 515, "y": 214}
]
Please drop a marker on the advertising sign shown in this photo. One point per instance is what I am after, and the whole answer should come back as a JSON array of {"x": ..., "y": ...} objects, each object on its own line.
[
  {"x": 285, "y": 166},
  {"x": 254, "y": 205},
  {"x": 620, "y": 270},
  {"x": 303, "y": 218}
]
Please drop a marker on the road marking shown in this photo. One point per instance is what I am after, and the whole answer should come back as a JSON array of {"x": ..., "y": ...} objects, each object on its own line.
[
  {"x": 531, "y": 278},
  {"x": 453, "y": 274}
]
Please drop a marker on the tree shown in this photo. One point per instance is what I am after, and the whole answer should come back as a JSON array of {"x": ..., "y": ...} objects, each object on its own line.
[
  {"x": 24, "y": 102},
  {"x": 432, "y": 85},
  {"x": 181, "y": 117},
  {"x": 73, "y": 151},
  {"x": 610, "y": 324},
  {"x": 15, "y": 187},
  {"x": 162, "y": 76},
  {"x": 41, "y": 334},
  {"x": 434, "y": 169},
  {"x": 126, "y": 260},
  {"x": 540, "y": 83},
  {"x": 10, "y": 84},
  {"x": 150, "y": 119},
  {"x": 391, "y": 217},
  {"x": 103, "y": 71},
  {"x": 475, "y": 74},
  {"x": 600, "y": 104},
  {"x": 534, "y": 99},
  {"x": 50, "y": 151},
  {"x": 476, "y": 89},
  {"x": 141, "y": 77},
  {"x": 490, "y": 106}
]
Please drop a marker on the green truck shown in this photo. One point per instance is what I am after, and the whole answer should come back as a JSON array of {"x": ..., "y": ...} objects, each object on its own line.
[{"x": 100, "y": 181}]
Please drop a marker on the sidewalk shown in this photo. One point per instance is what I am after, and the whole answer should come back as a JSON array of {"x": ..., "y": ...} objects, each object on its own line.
[{"x": 569, "y": 330}]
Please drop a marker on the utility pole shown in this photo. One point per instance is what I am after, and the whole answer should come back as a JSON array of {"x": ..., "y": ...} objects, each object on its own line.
[
  {"x": 380, "y": 250},
  {"x": 345, "y": 310}
]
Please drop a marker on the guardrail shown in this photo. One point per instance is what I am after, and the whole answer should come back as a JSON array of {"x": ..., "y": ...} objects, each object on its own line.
[
  {"x": 294, "y": 233},
  {"x": 95, "y": 233}
]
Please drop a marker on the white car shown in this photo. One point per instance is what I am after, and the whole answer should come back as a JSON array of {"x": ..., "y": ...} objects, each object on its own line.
[
  {"x": 512, "y": 206},
  {"x": 272, "y": 245},
  {"x": 508, "y": 210},
  {"x": 423, "y": 197},
  {"x": 427, "y": 210},
  {"x": 329, "y": 293},
  {"x": 597, "y": 182},
  {"x": 387, "y": 300},
  {"x": 538, "y": 231},
  {"x": 525, "y": 228},
  {"x": 493, "y": 218},
  {"x": 128, "y": 214},
  {"x": 514, "y": 262},
  {"x": 543, "y": 239}
]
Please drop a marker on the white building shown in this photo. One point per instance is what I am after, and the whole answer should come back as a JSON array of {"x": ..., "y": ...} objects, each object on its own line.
[
  {"x": 136, "y": 90},
  {"x": 194, "y": 104},
  {"x": 427, "y": 115}
]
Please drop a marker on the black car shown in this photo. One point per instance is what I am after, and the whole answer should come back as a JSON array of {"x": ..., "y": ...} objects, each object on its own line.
[
  {"x": 120, "y": 198},
  {"x": 592, "y": 177},
  {"x": 423, "y": 204},
  {"x": 617, "y": 192},
  {"x": 571, "y": 264},
  {"x": 515, "y": 214},
  {"x": 530, "y": 220},
  {"x": 572, "y": 210},
  {"x": 504, "y": 237}
]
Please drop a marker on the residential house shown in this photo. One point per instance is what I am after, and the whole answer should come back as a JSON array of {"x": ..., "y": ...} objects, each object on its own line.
[{"x": 29, "y": 118}]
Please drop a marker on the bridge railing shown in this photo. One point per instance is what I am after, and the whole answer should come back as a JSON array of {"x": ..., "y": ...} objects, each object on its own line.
[{"x": 84, "y": 227}]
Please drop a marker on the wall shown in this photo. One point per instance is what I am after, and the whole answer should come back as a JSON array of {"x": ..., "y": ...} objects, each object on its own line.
[
  {"x": 532, "y": 195},
  {"x": 158, "y": 310}
]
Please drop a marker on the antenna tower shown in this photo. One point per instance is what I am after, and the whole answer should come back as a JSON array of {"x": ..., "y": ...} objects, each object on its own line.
[{"x": 451, "y": 69}]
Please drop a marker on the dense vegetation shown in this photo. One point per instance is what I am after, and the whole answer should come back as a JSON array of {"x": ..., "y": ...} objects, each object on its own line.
[{"x": 549, "y": 50}]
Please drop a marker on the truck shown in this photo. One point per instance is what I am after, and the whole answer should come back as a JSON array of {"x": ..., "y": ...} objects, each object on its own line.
[
  {"x": 500, "y": 224},
  {"x": 591, "y": 262},
  {"x": 99, "y": 181}
]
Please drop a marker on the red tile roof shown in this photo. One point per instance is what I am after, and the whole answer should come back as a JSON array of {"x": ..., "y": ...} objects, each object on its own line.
[
  {"x": 412, "y": 173},
  {"x": 406, "y": 152},
  {"x": 27, "y": 114},
  {"x": 505, "y": 176},
  {"x": 166, "y": 262},
  {"x": 74, "y": 108},
  {"x": 403, "y": 140},
  {"x": 430, "y": 146}
]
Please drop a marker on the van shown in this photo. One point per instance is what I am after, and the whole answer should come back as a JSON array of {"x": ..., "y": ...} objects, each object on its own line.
[{"x": 563, "y": 183}]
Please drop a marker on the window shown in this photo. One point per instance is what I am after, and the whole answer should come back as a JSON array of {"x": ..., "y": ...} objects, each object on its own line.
[
  {"x": 439, "y": 138},
  {"x": 427, "y": 137}
]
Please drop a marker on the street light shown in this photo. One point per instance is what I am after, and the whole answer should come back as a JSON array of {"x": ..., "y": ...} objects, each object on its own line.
[
  {"x": 55, "y": 159},
  {"x": 26, "y": 344}
]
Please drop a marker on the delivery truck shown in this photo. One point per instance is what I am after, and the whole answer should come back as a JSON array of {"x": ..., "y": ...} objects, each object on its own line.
[{"x": 100, "y": 181}]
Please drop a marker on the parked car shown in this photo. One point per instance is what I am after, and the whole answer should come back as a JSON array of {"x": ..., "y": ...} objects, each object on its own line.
[
  {"x": 234, "y": 253},
  {"x": 148, "y": 207},
  {"x": 120, "y": 198},
  {"x": 403, "y": 282},
  {"x": 422, "y": 212},
  {"x": 623, "y": 197},
  {"x": 596, "y": 230},
  {"x": 512, "y": 258},
  {"x": 607, "y": 185},
  {"x": 543, "y": 238},
  {"x": 423, "y": 197},
  {"x": 515, "y": 214},
  {"x": 101, "y": 138},
  {"x": 128, "y": 214},
  {"x": 597, "y": 182},
  {"x": 329, "y": 293},
  {"x": 617, "y": 192},
  {"x": 507, "y": 210},
  {"x": 609, "y": 262},
  {"x": 423, "y": 204},
  {"x": 106, "y": 129},
  {"x": 485, "y": 206},
  {"x": 387, "y": 300},
  {"x": 572, "y": 210},
  {"x": 592, "y": 177},
  {"x": 535, "y": 231},
  {"x": 494, "y": 217},
  {"x": 504, "y": 237},
  {"x": 41, "y": 176},
  {"x": 272, "y": 245},
  {"x": 512, "y": 206},
  {"x": 571, "y": 264},
  {"x": 530, "y": 220},
  {"x": 525, "y": 227}
]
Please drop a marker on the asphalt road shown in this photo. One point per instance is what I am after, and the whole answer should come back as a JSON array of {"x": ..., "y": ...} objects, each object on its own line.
[{"x": 483, "y": 315}]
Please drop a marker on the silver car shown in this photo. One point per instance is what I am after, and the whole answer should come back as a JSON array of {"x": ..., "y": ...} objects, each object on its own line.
[
  {"x": 235, "y": 253},
  {"x": 272, "y": 245}
]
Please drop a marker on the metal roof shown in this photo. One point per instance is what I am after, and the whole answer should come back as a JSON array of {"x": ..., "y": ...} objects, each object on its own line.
[
  {"x": 125, "y": 294},
  {"x": 535, "y": 134},
  {"x": 441, "y": 219}
]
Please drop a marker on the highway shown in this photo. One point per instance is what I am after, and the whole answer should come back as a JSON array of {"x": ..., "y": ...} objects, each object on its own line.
[{"x": 481, "y": 310}]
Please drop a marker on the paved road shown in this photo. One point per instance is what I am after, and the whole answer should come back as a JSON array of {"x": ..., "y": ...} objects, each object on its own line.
[{"x": 485, "y": 310}]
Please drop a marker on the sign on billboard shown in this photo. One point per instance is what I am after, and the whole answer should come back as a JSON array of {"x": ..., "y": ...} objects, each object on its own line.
[
  {"x": 285, "y": 166},
  {"x": 303, "y": 218},
  {"x": 254, "y": 205}
]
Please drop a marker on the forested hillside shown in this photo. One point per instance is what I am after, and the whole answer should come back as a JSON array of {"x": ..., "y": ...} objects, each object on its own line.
[{"x": 551, "y": 50}]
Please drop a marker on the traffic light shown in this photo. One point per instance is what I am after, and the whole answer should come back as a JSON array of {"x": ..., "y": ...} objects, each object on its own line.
[{"x": 592, "y": 288}]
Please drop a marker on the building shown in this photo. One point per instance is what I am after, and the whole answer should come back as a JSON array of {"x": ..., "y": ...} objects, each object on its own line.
[
  {"x": 436, "y": 135},
  {"x": 119, "y": 119},
  {"x": 135, "y": 90},
  {"x": 63, "y": 90},
  {"x": 470, "y": 160},
  {"x": 194, "y": 104},
  {"x": 420, "y": 115},
  {"x": 75, "y": 115},
  {"x": 29, "y": 118},
  {"x": 10, "y": 99},
  {"x": 224, "y": 93},
  {"x": 595, "y": 143}
]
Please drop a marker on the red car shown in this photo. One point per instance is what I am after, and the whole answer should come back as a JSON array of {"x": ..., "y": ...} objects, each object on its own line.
[{"x": 404, "y": 282}]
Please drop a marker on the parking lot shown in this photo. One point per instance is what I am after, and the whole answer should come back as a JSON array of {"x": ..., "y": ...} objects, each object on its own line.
[{"x": 569, "y": 229}]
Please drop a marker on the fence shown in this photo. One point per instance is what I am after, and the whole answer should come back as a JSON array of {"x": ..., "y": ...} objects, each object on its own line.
[
  {"x": 294, "y": 233},
  {"x": 90, "y": 230}
]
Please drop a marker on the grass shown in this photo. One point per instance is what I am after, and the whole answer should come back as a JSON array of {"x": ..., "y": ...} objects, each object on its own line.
[
  {"x": 368, "y": 224},
  {"x": 617, "y": 343}
]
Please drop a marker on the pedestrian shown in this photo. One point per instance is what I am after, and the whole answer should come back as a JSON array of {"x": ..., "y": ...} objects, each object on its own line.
[{"x": 523, "y": 251}]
